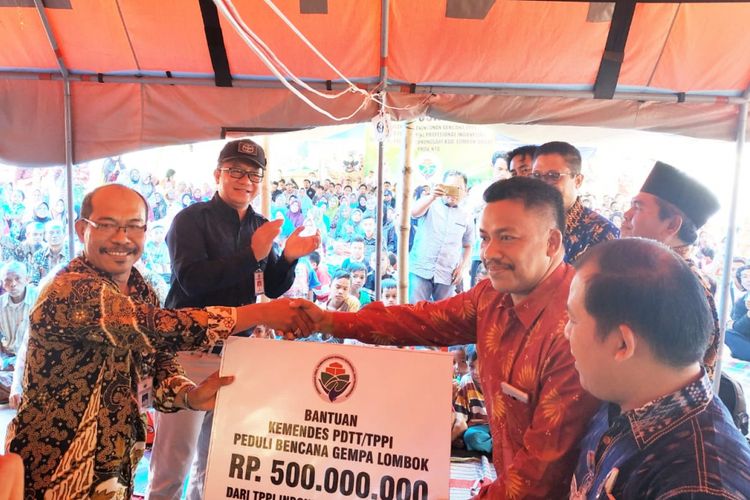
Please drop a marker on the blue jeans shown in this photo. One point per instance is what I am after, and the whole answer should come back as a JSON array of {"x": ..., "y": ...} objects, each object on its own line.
[
  {"x": 478, "y": 438},
  {"x": 421, "y": 289},
  {"x": 739, "y": 344}
]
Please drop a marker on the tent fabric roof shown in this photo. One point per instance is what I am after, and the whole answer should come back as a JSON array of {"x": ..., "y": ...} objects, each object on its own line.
[{"x": 141, "y": 73}]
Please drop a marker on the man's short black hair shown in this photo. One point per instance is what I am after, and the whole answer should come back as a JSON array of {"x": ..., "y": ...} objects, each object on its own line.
[
  {"x": 342, "y": 273},
  {"x": 643, "y": 284},
  {"x": 533, "y": 193},
  {"x": 315, "y": 257},
  {"x": 739, "y": 271},
  {"x": 521, "y": 151},
  {"x": 388, "y": 283},
  {"x": 354, "y": 267},
  {"x": 688, "y": 233},
  {"x": 357, "y": 239},
  {"x": 499, "y": 154},
  {"x": 570, "y": 154},
  {"x": 457, "y": 173}
]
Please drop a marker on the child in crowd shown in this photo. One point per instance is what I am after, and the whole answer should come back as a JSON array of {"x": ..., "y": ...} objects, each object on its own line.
[
  {"x": 340, "y": 298},
  {"x": 356, "y": 254},
  {"x": 320, "y": 293},
  {"x": 358, "y": 273},
  {"x": 471, "y": 425},
  {"x": 389, "y": 292}
]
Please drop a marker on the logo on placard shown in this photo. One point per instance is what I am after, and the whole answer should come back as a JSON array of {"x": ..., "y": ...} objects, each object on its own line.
[{"x": 335, "y": 379}]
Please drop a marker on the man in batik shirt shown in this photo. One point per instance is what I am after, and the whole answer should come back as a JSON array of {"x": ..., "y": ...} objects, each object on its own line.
[
  {"x": 536, "y": 406},
  {"x": 54, "y": 253},
  {"x": 559, "y": 165},
  {"x": 100, "y": 348},
  {"x": 639, "y": 325},
  {"x": 670, "y": 208}
]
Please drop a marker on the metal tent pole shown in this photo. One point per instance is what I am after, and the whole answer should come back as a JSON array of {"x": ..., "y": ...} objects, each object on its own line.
[
  {"x": 729, "y": 246},
  {"x": 498, "y": 89},
  {"x": 68, "y": 123},
  {"x": 379, "y": 206}
]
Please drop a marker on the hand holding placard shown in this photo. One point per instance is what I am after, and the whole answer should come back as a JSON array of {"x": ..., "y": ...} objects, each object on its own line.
[{"x": 203, "y": 396}]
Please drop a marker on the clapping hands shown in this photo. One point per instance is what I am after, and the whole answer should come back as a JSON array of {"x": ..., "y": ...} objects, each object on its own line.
[{"x": 298, "y": 246}]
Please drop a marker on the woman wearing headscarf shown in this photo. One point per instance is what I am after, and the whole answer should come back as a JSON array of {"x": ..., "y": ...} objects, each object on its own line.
[{"x": 294, "y": 213}]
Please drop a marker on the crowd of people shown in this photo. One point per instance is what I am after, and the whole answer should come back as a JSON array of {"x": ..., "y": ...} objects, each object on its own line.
[{"x": 552, "y": 303}]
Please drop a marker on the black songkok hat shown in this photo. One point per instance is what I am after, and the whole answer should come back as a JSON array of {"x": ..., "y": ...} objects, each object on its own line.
[{"x": 687, "y": 194}]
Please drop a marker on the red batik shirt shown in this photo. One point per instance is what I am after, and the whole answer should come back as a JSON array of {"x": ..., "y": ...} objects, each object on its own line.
[{"x": 534, "y": 443}]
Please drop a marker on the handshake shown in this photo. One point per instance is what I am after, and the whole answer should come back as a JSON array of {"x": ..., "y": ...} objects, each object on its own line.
[{"x": 294, "y": 317}]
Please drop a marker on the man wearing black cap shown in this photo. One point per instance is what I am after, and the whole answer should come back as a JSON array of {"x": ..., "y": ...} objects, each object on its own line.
[
  {"x": 222, "y": 253},
  {"x": 670, "y": 208}
]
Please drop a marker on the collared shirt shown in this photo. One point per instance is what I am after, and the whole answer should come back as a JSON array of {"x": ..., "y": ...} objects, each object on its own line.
[
  {"x": 469, "y": 402},
  {"x": 212, "y": 262},
  {"x": 79, "y": 429},
  {"x": 14, "y": 319},
  {"x": 585, "y": 228},
  {"x": 519, "y": 345},
  {"x": 43, "y": 260},
  {"x": 682, "y": 445},
  {"x": 441, "y": 236}
]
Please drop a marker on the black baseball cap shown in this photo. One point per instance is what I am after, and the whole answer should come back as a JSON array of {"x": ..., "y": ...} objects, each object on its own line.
[{"x": 244, "y": 150}]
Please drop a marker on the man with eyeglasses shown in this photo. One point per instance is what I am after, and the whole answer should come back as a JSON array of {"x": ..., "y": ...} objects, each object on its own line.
[
  {"x": 222, "y": 253},
  {"x": 101, "y": 351},
  {"x": 559, "y": 165}
]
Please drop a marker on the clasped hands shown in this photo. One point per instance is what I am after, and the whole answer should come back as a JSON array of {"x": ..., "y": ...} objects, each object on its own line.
[{"x": 295, "y": 318}]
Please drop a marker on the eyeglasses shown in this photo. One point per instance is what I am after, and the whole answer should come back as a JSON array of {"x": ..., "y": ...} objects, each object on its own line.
[
  {"x": 550, "y": 176},
  {"x": 110, "y": 228},
  {"x": 238, "y": 173}
]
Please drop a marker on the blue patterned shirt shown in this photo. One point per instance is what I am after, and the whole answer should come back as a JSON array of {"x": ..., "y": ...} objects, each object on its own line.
[
  {"x": 682, "y": 445},
  {"x": 585, "y": 228}
]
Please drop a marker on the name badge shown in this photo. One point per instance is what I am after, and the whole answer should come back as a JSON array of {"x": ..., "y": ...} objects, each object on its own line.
[
  {"x": 514, "y": 393},
  {"x": 145, "y": 394},
  {"x": 259, "y": 289}
]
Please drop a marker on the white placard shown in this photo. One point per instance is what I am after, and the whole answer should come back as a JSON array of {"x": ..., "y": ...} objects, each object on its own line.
[{"x": 317, "y": 420}]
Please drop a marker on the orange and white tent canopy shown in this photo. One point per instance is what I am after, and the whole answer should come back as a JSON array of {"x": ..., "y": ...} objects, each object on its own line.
[{"x": 149, "y": 73}]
